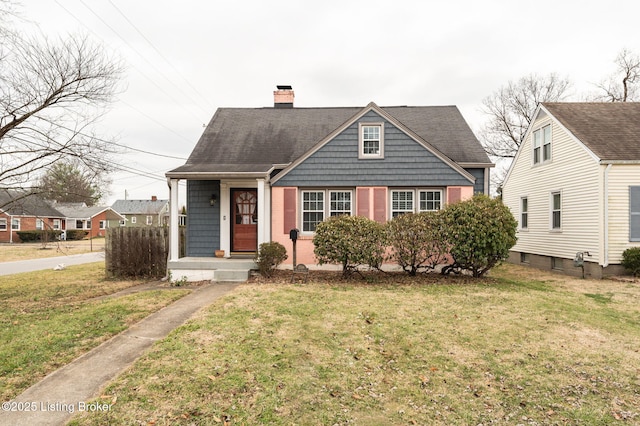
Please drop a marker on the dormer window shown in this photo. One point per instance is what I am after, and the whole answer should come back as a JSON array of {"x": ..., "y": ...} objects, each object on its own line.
[
  {"x": 371, "y": 141},
  {"x": 542, "y": 144}
]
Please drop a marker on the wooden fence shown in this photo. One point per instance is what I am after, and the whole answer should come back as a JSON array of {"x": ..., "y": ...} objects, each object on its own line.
[{"x": 138, "y": 252}]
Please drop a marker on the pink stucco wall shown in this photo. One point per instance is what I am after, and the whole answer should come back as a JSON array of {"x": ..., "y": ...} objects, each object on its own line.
[{"x": 304, "y": 245}]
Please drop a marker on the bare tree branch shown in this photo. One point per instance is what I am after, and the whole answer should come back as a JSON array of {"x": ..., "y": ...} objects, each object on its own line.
[
  {"x": 622, "y": 85},
  {"x": 510, "y": 110},
  {"x": 52, "y": 94}
]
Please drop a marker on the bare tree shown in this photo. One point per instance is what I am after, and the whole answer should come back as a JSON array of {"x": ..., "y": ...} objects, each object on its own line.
[
  {"x": 510, "y": 110},
  {"x": 622, "y": 85},
  {"x": 51, "y": 96}
]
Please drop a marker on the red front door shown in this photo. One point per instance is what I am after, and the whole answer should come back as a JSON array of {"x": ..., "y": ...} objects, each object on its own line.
[{"x": 245, "y": 220}]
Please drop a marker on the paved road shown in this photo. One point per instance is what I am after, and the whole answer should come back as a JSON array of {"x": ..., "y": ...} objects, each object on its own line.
[{"x": 20, "y": 266}]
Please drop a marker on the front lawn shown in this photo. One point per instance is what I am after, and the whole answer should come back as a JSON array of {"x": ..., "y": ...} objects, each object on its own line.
[
  {"x": 48, "y": 318},
  {"x": 27, "y": 251},
  {"x": 523, "y": 347}
]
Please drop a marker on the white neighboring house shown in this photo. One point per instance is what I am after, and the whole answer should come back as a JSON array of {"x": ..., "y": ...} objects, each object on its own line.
[{"x": 574, "y": 187}]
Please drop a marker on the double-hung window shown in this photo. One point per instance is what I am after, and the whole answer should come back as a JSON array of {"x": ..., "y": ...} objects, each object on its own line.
[
  {"x": 556, "y": 211},
  {"x": 542, "y": 144},
  {"x": 39, "y": 224},
  {"x": 339, "y": 203},
  {"x": 401, "y": 202},
  {"x": 149, "y": 220},
  {"x": 524, "y": 213},
  {"x": 318, "y": 204},
  {"x": 3, "y": 224},
  {"x": 430, "y": 200},
  {"x": 371, "y": 141},
  {"x": 634, "y": 213},
  {"x": 56, "y": 224},
  {"x": 312, "y": 210},
  {"x": 15, "y": 224}
]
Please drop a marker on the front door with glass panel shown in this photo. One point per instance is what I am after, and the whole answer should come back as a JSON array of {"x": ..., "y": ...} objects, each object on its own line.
[{"x": 244, "y": 227}]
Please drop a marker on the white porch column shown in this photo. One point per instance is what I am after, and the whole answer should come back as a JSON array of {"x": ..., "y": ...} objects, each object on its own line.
[
  {"x": 174, "y": 234},
  {"x": 262, "y": 216},
  {"x": 225, "y": 223}
]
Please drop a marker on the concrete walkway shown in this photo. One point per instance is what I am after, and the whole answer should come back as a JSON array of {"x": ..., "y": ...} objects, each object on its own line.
[
  {"x": 20, "y": 266},
  {"x": 68, "y": 390}
]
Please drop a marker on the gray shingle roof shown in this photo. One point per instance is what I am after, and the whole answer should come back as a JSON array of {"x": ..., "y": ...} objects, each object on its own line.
[
  {"x": 610, "y": 130},
  {"x": 79, "y": 210},
  {"x": 19, "y": 203},
  {"x": 139, "y": 206},
  {"x": 254, "y": 139}
]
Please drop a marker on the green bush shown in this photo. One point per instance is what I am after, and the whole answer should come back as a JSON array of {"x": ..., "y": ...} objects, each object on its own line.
[
  {"x": 76, "y": 234},
  {"x": 416, "y": 241},
  {"x": 350, "y": 241},
  {"x": 479, "y": 232},
  {"x": 269, "y": 256},
  {"x": 38, "y": 235},
  {"x": 631, "y": 260}
]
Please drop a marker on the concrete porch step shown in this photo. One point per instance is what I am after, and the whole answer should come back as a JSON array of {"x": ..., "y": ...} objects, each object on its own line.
[{"x": 211, "y": 269}]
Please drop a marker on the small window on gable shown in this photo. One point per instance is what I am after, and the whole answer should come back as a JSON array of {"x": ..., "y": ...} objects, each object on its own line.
[
  {"x": 371, "y": 141},
  {"x": 542, "y": 144}
]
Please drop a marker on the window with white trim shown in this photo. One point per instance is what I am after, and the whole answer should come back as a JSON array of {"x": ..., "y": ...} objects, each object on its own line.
[
  {"x": 15, "y": 224},
  {"x": 133, "y": 219},
  {"x": 524, "y": 213},
  {"x": 556, "y": 211},
  {"x": 312, "y": 210},
  {"x": 56, "y": 224},
  {"x": 3, "y": 224},
  {"x": 634, "y": 213},
  {"x": 39, "y": 224},
  {"x": 371, "y": 140},
  {"x": 339, "y": 203},
  {"x": 149, "y": 220},
  {"x": 401, "y": 202},
  {"x": 102, "y": 224},
  {"x": 430, "y": 200},
  {"x": 542, "y": 144},
  {"x": 79, "y": 224}
]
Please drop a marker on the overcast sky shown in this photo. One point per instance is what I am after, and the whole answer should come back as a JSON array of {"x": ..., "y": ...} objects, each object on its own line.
[{"x": 186, "y": 58}]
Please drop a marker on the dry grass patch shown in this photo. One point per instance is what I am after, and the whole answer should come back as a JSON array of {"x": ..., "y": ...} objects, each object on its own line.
[
  {"x": 517, "y": 348},
  {"x": 26, "y": 251}
]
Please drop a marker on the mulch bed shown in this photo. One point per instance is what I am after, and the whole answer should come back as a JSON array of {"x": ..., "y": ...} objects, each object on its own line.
[{"x": 366, "y": 278}]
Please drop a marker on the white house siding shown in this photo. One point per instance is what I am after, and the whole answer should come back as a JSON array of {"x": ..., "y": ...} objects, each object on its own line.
[
  {"x": 621, "y": 177},
  {"x": 574, "y": 172}
]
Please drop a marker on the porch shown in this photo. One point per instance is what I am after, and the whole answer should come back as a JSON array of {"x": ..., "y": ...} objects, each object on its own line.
[{"x": 235, "y": 269}]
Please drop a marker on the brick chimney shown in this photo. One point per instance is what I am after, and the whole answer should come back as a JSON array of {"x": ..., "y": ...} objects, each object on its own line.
[
  {"x": 283, "y": 97},
  {"x": 154, "y": 198}
]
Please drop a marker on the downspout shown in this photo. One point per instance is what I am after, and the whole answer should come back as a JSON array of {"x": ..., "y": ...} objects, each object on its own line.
[
  {"x": 10, "y": 229},
  {"x": 606, "y": 217}
]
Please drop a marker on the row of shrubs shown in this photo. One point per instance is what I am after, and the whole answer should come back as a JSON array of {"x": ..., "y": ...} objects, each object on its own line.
[
  {"x": 50, "y": 235},
  {"x": 472, "y": 236}
]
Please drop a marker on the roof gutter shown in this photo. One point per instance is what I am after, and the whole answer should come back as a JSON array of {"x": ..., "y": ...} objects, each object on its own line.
[{"x": 216, "y": 175}]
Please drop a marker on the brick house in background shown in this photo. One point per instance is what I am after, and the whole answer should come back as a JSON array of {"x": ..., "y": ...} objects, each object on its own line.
[
  {"x": 94, "y": 220},
  {"x": 22, "y": 212}
]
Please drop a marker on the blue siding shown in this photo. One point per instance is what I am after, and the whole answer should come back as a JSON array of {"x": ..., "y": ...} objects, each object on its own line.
[
  {"x": 478, "y": 188},
  {"x": 203, "y": 221},
  {"x": 405, "y": 163}
]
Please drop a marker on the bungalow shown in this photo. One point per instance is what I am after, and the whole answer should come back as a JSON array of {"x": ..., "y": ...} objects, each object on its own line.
[
  {"x": 21, "y": 211},
  {"x": 574, "y": 186},
  {"x": 94, "y": 219},
  {"x": 257, "y": 173}
]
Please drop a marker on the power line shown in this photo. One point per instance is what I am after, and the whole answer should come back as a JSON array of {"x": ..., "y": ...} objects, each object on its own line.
[
  {"x": 160, "y": 54},
  {"x": 142, "y": 57}
]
